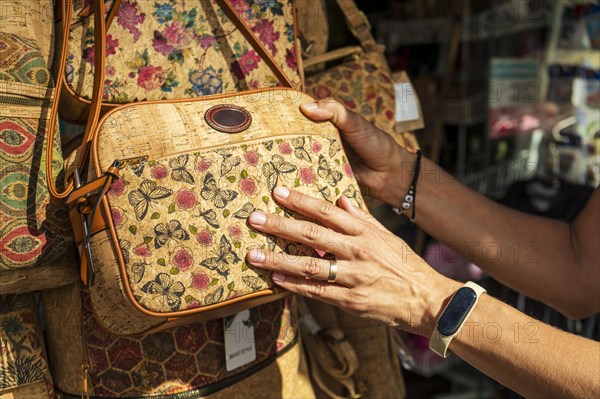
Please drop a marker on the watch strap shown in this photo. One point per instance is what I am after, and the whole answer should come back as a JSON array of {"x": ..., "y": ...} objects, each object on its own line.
[{"x": 439, "y": 343}]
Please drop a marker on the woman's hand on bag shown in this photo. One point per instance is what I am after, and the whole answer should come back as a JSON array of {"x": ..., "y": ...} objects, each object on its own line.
[
  {"x": 377, "y": 160},
  {"x": 378, "y": 275}
]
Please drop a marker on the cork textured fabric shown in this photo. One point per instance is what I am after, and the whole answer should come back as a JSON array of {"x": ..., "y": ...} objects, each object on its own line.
[
  {"x": 179, "y": 49},
  {"x": 32, "y": 232},
  {"x": 366, "y": 86},
  {"x": 180, "y": 206},
  {"x": 176, "y": 363},
  {"x": 24, "y": 369}
]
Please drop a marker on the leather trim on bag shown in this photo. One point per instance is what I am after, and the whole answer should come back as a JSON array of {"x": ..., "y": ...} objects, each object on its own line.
[{"x": 228, "y": 118}]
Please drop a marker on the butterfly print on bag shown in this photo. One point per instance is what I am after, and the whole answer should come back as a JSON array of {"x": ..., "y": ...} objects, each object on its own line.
[
  {"x": 325, "y": 171},
  {"x": 229, "y": 162},
  {"x": 220, "y": 197},
  {"x": 299, "y": 150},
  {"x": 179, "y": 170},
  {"x": 164, "y": 233},
  {"x": 148, "y": 191},
  {"x": 245, "y": 211},
  {"x": 275, "y": 168},
  {"x": 225, "y": 257},
  {"x": 170, "y": 291},
  {"x": 210, "y": 217}
]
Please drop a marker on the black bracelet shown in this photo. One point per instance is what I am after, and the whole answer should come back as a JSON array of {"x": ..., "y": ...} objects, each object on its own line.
[{"x": 411, "y": 197}]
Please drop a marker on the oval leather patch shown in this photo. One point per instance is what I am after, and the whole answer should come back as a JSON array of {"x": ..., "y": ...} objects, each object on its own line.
[{"x": 228, "y": 118}]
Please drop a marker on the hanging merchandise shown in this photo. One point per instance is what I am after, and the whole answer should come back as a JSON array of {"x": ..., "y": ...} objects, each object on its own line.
[
  {"x": 180, "y": 363},
  {"x": 24, "y": 369},
  {"x": 34, "y": 234},
  {"x": 170, "y": 186},
  {"x": 176, "y": 49},
  {"x": 365, "y": 84}
]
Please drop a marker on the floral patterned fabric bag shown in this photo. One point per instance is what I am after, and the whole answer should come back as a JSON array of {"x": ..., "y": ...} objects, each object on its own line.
[
  {"x": 34, "y": 234},
  {"x": 364, "y": 83},
  {"x": 170, "y": 49},
  {"x": 24, "y": 369},
  {"x": 161, "y": 217}
]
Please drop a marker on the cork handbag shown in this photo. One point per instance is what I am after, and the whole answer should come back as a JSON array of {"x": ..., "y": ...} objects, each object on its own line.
[
  {"x": 349, "y": 356},
  {"x": 34, "y": 234},
  {"x": 180, "y": 363},
  {"x": 363, "y": 81},
  {"x": 160, "y": 216},
  {"x": 176, "y": 49},
  {"x": 24, "y": 371}
]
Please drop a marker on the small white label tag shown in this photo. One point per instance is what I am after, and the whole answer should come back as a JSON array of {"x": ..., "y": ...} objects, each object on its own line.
[
  {"x": 406, "y": 102},
  {"x": 240, "y": 348}
]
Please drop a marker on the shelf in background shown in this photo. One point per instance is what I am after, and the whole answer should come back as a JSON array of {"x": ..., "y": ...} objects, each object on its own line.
[{"x": 502, "y": 20}]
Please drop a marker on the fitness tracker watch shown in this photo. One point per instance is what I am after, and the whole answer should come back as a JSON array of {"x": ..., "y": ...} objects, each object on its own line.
[{"x": 454, "y": 316}]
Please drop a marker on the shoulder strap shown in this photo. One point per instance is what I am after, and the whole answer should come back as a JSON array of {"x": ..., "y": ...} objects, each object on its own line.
[
  {"x": 243, "y": 27},
  {"x": 359, "y": 25},
  {"x": 55, "y": 196}
]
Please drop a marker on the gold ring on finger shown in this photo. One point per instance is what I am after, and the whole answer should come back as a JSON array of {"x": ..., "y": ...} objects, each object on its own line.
[{"x": 332, "y": 271}]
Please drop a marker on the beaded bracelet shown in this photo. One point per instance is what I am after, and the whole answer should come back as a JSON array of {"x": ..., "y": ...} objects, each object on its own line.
[{"x": 411, "y": 196}]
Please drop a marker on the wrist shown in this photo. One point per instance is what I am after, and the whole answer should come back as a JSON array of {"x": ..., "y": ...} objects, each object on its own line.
[
  {"x": 399, "y": 177},
  {"x": 435, "y": 302}
]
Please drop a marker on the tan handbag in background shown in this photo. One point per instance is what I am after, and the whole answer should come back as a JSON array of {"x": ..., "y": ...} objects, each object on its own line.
[
  {"x": 161, "y": 218},
  {"x": 348, "y": 356},
  {"x": 363, "y": 82}
]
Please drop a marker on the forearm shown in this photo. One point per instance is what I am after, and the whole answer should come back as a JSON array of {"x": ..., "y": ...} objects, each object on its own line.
[
  {"x": 526, "y": 355},
  {"x": 530, "y": 254}
]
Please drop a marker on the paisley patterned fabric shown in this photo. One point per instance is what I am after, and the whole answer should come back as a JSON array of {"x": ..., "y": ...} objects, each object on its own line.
[
  {"x": 181, "y": 220},
  {"x": 176, "y": 49},
  {"x": 32, "y": 232},
  {"x": 178, "y": 360},
  {"x": 23, "y": 366}
]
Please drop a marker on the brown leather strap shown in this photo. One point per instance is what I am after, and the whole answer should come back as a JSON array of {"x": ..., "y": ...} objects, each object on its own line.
[
  {"x": 55, "y": 196},
  {"x": 358, "y": 24},
  {"x": 243, "y": 27},
  {"x": 89, "y": 10},
  {"x": 332, "y": 359},
  {"x": 333, "y": 55},
  {"x": 98, "y": 88}
]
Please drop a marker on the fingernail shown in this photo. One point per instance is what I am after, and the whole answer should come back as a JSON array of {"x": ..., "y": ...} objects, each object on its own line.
[
  {"x": 281, "y": 192},
  {"x": 278, "y": 277},
  {"x": 256, "y": 255},
  {"x": 258, "y": 218},
  {"x": 310, "y": 106}
]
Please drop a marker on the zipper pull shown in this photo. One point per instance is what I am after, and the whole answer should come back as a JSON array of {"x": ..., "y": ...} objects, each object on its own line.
[{"x": 85, "y": 374}]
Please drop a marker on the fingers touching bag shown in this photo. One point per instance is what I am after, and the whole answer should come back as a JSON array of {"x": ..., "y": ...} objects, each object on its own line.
[{"x": 165, "y": 244}]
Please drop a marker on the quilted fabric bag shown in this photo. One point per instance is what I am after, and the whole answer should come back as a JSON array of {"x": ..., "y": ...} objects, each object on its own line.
[
  {"x": 24, "y": 369},
  {"x": 161, "y": 218},
  {"x": 34, "y": 234},
  {"x": 174, "y": 49},
  {"x": 363, "y": 82},
  {"x": 180, "y": 363}
]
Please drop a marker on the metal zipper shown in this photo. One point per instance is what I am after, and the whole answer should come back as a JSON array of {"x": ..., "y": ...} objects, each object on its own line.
[
  {"x": 144, "y": 158},
  {"x": 209, "y": 389},
  {"x": 25, "y": 101}
]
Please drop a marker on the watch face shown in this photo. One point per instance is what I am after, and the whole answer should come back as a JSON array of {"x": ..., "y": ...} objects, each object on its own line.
[{"x": 456, "y": 311}]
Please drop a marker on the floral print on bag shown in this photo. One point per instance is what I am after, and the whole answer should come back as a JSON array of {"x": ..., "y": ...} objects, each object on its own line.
[
  {"x": 176, "y": 49},
  {"x": 181, "y": 221}
]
